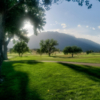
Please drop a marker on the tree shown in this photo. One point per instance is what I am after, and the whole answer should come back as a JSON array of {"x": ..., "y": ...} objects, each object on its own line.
[
  {"x": 48, "y": 46},
  {"x": 20, "y": 48},
  {"x": 14, "y": 23},
  {"x": 21, "y": 35},
  {"x": 39, "y": 51},
  {"x": 11, "y": 50},
  {"x": 72, "y": 50},
  {"x": 89, "y": 51},
  {"x": 26, "y": 9}
]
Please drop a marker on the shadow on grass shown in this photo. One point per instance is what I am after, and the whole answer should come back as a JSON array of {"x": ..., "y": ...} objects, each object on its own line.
[
  {"x": 63, "y": 57},
  {"x": 91, "y": 72},
  {"x": 25, "y": 61},
  {"x": 15, "y": 86}
]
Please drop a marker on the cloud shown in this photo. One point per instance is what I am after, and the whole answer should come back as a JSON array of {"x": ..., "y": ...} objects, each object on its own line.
[
  {"x": 63, "y": 25},
  {"x": 87, "y": 26},
  {"x": 93, "y": 28},
  {"x": 99, "y": 27},
  {"x": 79, "y": 25},
  {"x": 52, "y": 24},
  {"x": 57, "y": 22}
]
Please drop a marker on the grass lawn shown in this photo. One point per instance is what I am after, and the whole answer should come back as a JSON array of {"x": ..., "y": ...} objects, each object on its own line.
[
  {"x": 90, "y": 58},
  {"x": 26, "y": 80}
]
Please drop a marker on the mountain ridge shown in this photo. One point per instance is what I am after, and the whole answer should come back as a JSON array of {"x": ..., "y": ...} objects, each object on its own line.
[{"x": 63, "y": 40}]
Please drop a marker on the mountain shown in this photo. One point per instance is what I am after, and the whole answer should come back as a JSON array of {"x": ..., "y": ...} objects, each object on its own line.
[{"x": 63, "y": 40}]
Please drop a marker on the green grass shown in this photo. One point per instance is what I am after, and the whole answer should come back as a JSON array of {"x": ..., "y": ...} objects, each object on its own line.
[
  {"x": 91, "y": 58},
  {"x": 27, "y": 80}
]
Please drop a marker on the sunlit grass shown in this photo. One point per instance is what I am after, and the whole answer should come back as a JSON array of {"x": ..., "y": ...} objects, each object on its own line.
[
  {"x": 27, "y": 80},
  {"x": 90, "y": 58}
]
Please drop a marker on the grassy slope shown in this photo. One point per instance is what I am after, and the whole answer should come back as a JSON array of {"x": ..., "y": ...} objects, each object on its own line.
[
  {"x": 91, "y": 58},
  {"x": 26, "y": 80}
]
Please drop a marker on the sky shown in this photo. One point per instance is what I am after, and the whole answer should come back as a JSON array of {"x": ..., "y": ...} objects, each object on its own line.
[{"x": 72, "y": 19}]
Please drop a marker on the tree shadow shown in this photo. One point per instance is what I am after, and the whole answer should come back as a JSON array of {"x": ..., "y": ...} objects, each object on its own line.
[
  {"x": 92, "y": 73},
  {"x": 63, "y": 57},
  {"x": 15, "y": 85},
  {"x": 25, "y": 61}
]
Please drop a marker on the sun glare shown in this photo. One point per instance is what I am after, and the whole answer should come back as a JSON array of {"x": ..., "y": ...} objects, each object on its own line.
[{"x": 29, "y": 28}]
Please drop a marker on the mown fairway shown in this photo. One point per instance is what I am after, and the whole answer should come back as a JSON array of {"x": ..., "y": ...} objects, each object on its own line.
[
  {"x": 33, "y": 80},
  {"x": 90, "y": 58},
  {"x": 26, "y": 80}
]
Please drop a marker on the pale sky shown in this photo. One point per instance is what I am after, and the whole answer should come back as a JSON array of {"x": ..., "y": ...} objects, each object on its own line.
[{"x": 72, "y": 19}]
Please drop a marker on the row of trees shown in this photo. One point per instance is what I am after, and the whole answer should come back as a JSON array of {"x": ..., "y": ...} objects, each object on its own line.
[{"x": 48, "y": 46}]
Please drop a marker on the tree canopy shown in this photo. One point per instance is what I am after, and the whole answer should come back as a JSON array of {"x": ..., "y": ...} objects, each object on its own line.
[
  {"x": 20, "y": 48},
  {"x": 14, "y": 21},
  {"x": 9, "y": 4},
  {"x": 89, "y": 51},
  {"x": 39, "y": 51},
  {"x": 72, "y": 50},
  {"x": 48, "y": 46}
]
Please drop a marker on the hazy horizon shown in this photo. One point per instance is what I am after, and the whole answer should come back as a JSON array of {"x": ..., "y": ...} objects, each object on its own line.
[{"x": 63, "y": 41}]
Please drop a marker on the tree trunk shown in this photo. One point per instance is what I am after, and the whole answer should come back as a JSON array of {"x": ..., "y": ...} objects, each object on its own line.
[
  {"x": 19, "y": 54},
  {"x": 1, "y": 57},
  {"x": 5, "y": 51},
  {"x": 72, "y": 54},
  {"x": 5, "y": 48},
  {"x": 1, "y": 41},
  {"x": 49, "y": 54}
]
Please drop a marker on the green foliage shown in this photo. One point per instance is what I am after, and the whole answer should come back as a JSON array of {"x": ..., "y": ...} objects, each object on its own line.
[
  {"x": 30, "y": 51},
  {"x": 21, "y": 35},
  {"x": 14, "y": 19},
  {"x": 6, "y": 4},
  {"x": 39, "y": 51},
  {"x": 20, "y": 48},
  {"x": 72, "y": 50},
  {"x": 11, "y": 50},
  {"x": 89, "y": 51},
  {"x": 48, "y": 46},
  {"x": 15, "y": 11}
]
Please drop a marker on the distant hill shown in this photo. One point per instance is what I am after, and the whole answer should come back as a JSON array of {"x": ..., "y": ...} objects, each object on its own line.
[{"x": 63, "y": 40}]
